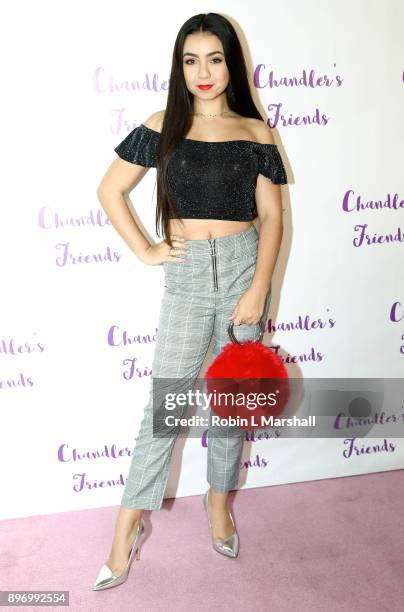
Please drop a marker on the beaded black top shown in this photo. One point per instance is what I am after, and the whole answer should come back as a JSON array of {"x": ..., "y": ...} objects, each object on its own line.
[{"x": 210, "y": 180}]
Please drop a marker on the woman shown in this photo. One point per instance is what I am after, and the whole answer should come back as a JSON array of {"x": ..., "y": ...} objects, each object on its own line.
[{"x": 217, "y": 170}]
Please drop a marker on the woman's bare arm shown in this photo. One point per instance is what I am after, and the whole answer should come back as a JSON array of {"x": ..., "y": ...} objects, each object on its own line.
[{"x": 119, "y": 180}]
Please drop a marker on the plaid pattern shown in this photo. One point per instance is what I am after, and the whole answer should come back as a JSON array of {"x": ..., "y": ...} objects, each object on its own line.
[{"x": 192, "y": 310}]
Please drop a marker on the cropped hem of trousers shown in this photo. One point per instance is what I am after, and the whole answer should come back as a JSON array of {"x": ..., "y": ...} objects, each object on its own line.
[{"x": 199, "y": 296}]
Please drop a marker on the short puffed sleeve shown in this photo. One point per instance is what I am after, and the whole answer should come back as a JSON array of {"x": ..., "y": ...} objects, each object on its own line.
[
  {"x": 139, "y": 146},
  {"x": 270, "y": 163}
]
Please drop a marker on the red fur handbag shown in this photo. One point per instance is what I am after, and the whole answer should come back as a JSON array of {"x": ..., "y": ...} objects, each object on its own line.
[{"x": 245, "y": 370}]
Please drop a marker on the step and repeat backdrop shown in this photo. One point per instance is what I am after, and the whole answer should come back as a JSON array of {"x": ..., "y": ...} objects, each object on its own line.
[{"x": 79, "y": 312}]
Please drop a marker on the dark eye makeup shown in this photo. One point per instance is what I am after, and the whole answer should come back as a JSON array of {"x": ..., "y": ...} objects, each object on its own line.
[{"x": 219, "y": 60}]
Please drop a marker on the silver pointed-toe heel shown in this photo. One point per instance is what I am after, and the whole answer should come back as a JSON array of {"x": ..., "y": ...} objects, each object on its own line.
[
  {"x": 106, "y": 578},
  {"x": 228, "y": 546}
]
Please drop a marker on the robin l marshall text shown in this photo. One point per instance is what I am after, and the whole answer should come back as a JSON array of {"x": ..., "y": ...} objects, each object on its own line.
[{"x": 261, "y": 421}]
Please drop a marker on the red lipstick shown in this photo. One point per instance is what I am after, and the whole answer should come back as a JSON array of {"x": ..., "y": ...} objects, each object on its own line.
[{"x": 204, "y": 87}]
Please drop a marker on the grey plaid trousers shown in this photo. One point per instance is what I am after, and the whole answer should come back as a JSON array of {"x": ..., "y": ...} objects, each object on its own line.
[{"x": 200, "y": 294}]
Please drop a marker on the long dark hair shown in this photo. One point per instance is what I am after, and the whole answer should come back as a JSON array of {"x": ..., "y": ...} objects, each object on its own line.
[{"x": 178, "y": 114}]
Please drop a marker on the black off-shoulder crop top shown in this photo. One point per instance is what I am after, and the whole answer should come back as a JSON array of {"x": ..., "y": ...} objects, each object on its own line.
[{"x": 210, "y": 180}]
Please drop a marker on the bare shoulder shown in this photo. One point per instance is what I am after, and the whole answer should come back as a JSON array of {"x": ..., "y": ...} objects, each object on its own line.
[
  {"x": 261, "y": 132},
  {"x": 155, "y": 121}
]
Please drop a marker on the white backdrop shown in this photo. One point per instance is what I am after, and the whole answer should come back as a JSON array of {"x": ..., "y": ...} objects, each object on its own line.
[{"x": 77, "y": 335}]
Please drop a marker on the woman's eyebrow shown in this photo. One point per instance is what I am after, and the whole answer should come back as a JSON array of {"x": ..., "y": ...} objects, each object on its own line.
[{"x": 207, "y": 55}]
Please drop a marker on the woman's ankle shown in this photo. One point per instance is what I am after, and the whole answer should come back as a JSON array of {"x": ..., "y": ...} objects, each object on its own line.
[
  {"x": 128, "y": 519},
  {"x": 217, "y": 499}
]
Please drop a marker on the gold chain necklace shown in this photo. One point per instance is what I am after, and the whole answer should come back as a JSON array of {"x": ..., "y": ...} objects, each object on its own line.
[{"x": 217, "y": 114}]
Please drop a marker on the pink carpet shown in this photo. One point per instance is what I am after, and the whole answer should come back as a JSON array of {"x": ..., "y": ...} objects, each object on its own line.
[{"x": 326, "y": 545}]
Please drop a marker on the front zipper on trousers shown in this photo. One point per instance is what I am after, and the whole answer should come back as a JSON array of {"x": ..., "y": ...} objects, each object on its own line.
[{"x": 213, "y": 253}]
